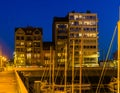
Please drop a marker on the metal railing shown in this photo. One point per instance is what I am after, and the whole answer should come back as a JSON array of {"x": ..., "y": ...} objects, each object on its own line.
[{"x": 21, "y": 86}]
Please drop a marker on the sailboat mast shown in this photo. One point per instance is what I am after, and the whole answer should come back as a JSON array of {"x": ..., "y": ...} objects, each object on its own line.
[
  {"x": 65, "y": 67},
  {"x": 73, "y": 67},
  {"x": 118, "y": 74}
]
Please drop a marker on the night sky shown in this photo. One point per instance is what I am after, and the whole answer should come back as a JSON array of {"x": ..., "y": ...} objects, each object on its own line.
[{"x": 40, "y": 13}]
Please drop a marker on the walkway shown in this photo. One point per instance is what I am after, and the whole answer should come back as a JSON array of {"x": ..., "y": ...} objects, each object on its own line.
[{"x": 8, "y": 82}]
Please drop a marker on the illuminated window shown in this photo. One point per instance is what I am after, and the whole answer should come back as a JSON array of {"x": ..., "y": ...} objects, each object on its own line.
[
  {"x": 35, "y": 55},
  {"x": 29, "y": 49},
  {"x": 86, "y": 22},
  {"x": 21, "y": 55},
  {"x": 47, "y": 54},
  {"x": 22, "y": 43},
  {"x": 28, "y": 55},
  {"x": 29, "y": 44},
  {"x": 71, "y": 23},
  {"x": 92, "y": 35},
  {"x": 76, "y": 17},
  {"x": 60, "y": 43},
  {"x": 80, "y": 16},
  {"x": 38, "y": 55},
  {"x": 80, "y": 22},
  {"x": 37, "y": 44},
  {"x": 76, "y": 35},
  {"x": 92, "y": 23},
  {"x": 80, "y": 34},
  {"x": 59, "y": 54}
]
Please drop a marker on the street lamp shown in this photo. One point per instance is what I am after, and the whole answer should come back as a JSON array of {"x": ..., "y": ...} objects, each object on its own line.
[{"x": 2, "y": 59}]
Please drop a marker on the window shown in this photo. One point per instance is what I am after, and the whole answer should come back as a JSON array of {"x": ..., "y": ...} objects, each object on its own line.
[
  {"x": 37, "y": 44},
  {"x": 37, "y": 50},
  {"x": 17, "y": 43},
  {"x": 29, "y": 38},
  {"x": 22, "y": 55},
  {"x": 37, "y": 32},
  {"x": 17, "y": 38},
  {"x": 29, "y": 44},
  {"x": 29, "y": 49},
  {"x": 22, "y": 37},
  {"x": 76, "y": 17},
  {"x": 80, "y": 16},
  {"x": 29, "y": 32},
  {"x": 76, "y": 23},
  {"x": 71, "y": 17},
  {"x": 22, "y": 43},
  {"x": 17, "y": 49},
  {"x": 80, "y": 34},
  {"x": 62, "y": 26},
  {"x": 22, "y": 49},
  {"x": 28, "y": 55}
]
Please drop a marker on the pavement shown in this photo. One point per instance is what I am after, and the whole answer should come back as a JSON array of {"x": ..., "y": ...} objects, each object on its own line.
[{"x": 8, "y": 82}]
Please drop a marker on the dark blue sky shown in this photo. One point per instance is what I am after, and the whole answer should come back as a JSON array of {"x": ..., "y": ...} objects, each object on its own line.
[{"x": 40, "y": 13}]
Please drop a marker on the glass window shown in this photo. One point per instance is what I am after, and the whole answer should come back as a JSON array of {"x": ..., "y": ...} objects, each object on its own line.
[
  {"x": 17, "y": 38},
  {"x": 22, "y": 37},
  {"x": 28, "y": 55},
  {"x": 22, "y": 43},
  {"x": 29, "y": 49},
  {"x": 71, "y": 17},
  {"x": 28, "y": 38},
  {"x": 37, "y": 44},
  {"x": 37, "y": 32}
]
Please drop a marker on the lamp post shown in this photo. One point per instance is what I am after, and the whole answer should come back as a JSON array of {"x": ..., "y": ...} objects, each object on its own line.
[{"x": 0, "y": 61}]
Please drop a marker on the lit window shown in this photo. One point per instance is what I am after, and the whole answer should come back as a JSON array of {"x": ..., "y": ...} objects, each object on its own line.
[
  {"x": 29, "y": 56},
  {"x": 34, "y": 55},
  {"x": 71, "y": 17},
  {"x": 29, "y": 43},
  {"x": 38, "y": 55},
  {"x": 80, "y": 16},
  {"x": 21, "y": 55},
  {"x": 76, "y": 17},
  {"x": 29, "y": 49},
  {"x": 80, "y": 22},
  {"x": 47, "y": 54},
  {"x": 86, "y": 22},
  {"x": 22, "y": 43},
  {"x": 71, "y": 23},
  {"x": 80, "y": 34},
  {"x": 92, "y": 35},
  {"x": 59, "y": 54}
]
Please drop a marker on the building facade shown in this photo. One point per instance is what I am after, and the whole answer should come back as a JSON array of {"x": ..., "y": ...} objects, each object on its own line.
[
  {"x": 60, "y": 38},
  {"x": 79, "y": 32},
  {"x": 28, "y": 46},
  {"x": 48, "y": 53}
]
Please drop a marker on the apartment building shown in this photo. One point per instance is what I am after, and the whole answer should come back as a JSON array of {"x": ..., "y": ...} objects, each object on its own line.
[
  {"x": 28, "y": 46},
  {"x": 79, "y": 32},
  {"x": 60, "y": 38}
]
